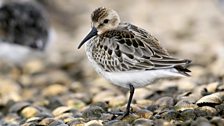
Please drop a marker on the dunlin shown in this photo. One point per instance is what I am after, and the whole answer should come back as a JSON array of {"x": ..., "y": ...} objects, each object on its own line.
[
  {"x": 24, "y": 26},
  {"x": 127, "y": 55}
]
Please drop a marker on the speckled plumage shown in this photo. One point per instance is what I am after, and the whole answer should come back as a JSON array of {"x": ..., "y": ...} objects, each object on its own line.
[
  {"x": 127, "y": 55},
  {"x": 126, "y": 48},
  {"x": 129, "y": 48},
  {"x": 99, "y": 13}
]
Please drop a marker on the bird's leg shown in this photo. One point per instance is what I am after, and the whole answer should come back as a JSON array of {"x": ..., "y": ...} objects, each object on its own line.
[{"x": 132, "y": 90}]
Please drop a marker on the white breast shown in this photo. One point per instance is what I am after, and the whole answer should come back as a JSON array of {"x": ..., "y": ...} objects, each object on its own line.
[
  {"x": 136, "y": 78},
  {"x": 139, "y": 78}
]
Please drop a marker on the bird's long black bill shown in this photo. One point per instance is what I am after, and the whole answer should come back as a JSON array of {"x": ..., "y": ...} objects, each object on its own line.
[{"x": 92, "y": 33}]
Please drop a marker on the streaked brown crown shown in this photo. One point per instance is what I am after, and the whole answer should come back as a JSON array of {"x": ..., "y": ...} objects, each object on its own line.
[{"x": 99, "y": 13}]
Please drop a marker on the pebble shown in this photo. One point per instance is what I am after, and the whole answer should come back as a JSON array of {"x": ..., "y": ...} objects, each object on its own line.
[
  {"x": 55, "y": 89},
  {"x": 209, "y": 110},
  {"x": 217, "y": 121},
  {"x": 188, "y": 114},
  {"x": 93, "y": 112},
  {"x": 183, "y": 105},
  {"x": 60, "y": 110},
  {"x": 170, "y": 115},
  {"x": 75, "y": 103},
  {"x": 165, "y": 102},
  {"x": 211, "y": 100},
  {"x": 201, "y": 121},
  {"x": 143, "y": 122},
  {"x": 17, "y": 107},
  {"x": 143, "y": 113},
  {"x": 29, "y": 112},
  {"x": 33, "y": 66},
  {"x": 111, "y": 97},
  {"x": 77, "y": 122},
  {"x": 9, "y": 90},
  {"x": 46, "y": 121},
  {"x": 116, "y": 123},
  {"x": 94, "y": 123}
]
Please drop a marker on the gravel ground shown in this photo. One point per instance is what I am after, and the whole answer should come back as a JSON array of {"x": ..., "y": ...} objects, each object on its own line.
[{"x": 60, "y": 88}]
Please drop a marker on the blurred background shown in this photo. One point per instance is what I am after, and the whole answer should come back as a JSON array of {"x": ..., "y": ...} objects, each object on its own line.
[{"x": 191, "y": 29}]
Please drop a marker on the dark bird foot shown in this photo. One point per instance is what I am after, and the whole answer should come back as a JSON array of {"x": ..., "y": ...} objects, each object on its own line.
[
  {"x": 124, "y": 115},
  {"x": 127, "y": 112}
]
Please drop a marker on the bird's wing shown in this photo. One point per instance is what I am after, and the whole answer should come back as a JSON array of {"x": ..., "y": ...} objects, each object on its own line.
[{"x": 130, "y": 50}]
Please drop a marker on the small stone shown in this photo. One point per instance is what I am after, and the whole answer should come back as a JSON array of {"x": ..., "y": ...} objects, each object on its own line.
[
  {"x": 60, "y": 110},
  {"x": 9, "y": 90},
  {"x": 34, "y": 119},
  {"x": 77, "y": 122},
  {"x": 34, "y": 66},
  {"x": 161, "y": 122},
  {"x": 200, "y": 113},
  {"x": 67, "y": 119},
  {"x": 57, "y": 123},
  {"x": 93, "y": 112},
  {"x": 75, "y": 103},
  {"x": 25, "y": 80},
  {"x": 144, "y": 113},
  {"x": 46, "y": 121},
  {"x": 211, "y": 88},
  {"x": 130, "y": 118},
  {"x": 170, "y": 115},
  {"x": 64, "y": 116},
  {"x": 54, "y": 89},
  {"x": 183, "y": 95},
  {"x": 217, "y": 121},
  {"x": 211, "y": 100},
  {"x": 209, "y": 110},
  {"x": 54, "y": 102},
  {"x": 201, "y": 121},
  {"x": 187, "y": 114},
  {"x": 111, "y": 97},
  {"x": 152, "y": 108},
  {"x": 12, "y": 119},
  {"x": 183, "y": 105},
  {"x": 29, "y": 124},
  {"x": 29, "y": 112},
  {"x": 165, "y": 101},
  {"x": 134, "y": 108},
  {"x": 17, "y": 107},
  {"x": 220, "y": 108},
  {"x": 103, "y": 105},
  {"x": 116, "y": 123},
  {"x": 143, "y": 122},
  {"x": 94, "y": 123},
  {"x": 106, "y": 116}
]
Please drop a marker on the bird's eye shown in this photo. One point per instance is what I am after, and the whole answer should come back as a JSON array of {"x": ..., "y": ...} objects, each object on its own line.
[{"x": 105, "y": 21}]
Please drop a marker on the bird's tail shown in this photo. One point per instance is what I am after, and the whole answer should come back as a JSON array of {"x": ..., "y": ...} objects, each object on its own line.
[{"x": 183, "y": 68}]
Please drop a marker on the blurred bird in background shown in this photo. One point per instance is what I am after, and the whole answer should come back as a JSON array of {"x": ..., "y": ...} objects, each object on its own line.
[{"x": 24, "y": 28}]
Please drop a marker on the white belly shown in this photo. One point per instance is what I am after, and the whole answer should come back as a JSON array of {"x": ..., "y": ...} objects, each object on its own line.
[
  {"x": 136, "y": 78},
  {"x": 139, "y": 78}
]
